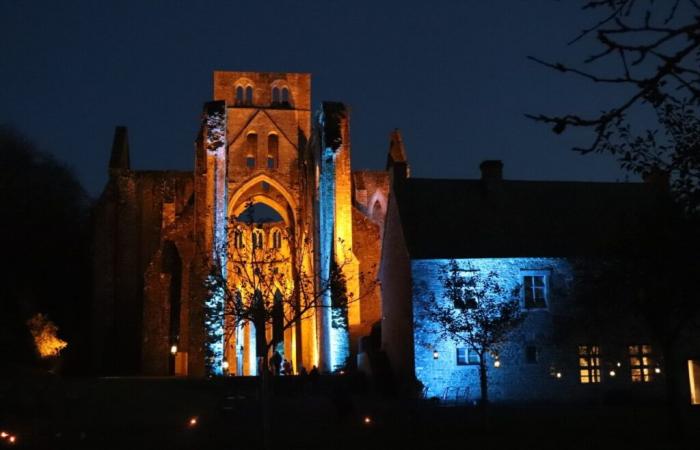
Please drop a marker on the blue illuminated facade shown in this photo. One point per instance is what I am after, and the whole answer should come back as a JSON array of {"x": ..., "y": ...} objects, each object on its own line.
[{"x": 436, "y": 361}]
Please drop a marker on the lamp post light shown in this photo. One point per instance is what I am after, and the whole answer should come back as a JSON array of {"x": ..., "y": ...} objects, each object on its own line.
[{"x": 173, "y": 349}]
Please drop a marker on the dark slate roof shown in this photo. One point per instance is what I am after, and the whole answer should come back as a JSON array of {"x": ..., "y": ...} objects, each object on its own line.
[{"x": 502, "y": 218}]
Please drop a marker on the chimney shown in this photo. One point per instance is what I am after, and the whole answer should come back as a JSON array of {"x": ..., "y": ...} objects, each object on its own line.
[{"x": 491, "y": 170}]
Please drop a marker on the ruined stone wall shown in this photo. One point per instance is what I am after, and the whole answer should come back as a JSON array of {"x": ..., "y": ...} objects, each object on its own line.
[
  {"x": 366, "y": 245},
  {"x": 128, "y": 222}
]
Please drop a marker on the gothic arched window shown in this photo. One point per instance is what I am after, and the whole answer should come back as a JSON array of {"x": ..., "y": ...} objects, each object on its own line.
[
  {"x": 275, "y": 95},
  {"x": 285, "y": 96},
  {"x": 257, "y": 239},
  {"x": 272, "y": 151},
  {"x": 251, "y": 149},
  {"x": 276, "y": 239},
  {"x": 249, "y": 95},
  {"x": 239, "y": 95}
]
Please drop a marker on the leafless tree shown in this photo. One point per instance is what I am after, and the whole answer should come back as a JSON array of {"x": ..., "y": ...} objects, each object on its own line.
[{"x": 651, "y": 51}]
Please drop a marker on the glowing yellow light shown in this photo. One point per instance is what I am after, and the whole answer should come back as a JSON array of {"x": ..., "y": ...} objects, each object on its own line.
[
  {"x": 173, "y": 349},
  {"x": 342, "y": 372},
  {"x": 497, "y": 363},
  {"x": 619, "y": 364},
  {"x": 3, "y": 434},
  {"x": 436, "y": 354},
  {"x": 612, "y": 373},
  {"x": 367, "y": 420},
  {"x": 192, "y": 422},
  {"x": 12, "y": 439},
  {"x": 558, "y": 375},
  {"x": 44, "y": 334},
  {"x": 224, "y": 365},
  {"x": 657, "y": 370}
]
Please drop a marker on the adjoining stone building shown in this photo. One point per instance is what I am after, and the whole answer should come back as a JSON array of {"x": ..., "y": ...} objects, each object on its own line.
[
  {"x": 157, "y": 232},
  {"x": 554, "y": 243}
]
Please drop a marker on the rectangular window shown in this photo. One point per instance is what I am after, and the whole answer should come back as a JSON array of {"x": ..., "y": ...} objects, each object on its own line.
[
  {"x": 531, "y": 354},
  {"x": 589, "y": 363},
  {"x": 466, "y": 357},
  {"x": 250, "y": 162},
  {"x": 694, "y": 381},
  {"x": 641, "y": 363},
  {"x": 535, "y": 291}
]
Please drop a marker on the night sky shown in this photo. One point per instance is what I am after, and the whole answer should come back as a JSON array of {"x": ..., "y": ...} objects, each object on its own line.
[{"x": 452, "y": 75}]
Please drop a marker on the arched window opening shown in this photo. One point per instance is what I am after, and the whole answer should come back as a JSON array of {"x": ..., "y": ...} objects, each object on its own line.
[
  {"x": 285, "y": 96},
  {"x": 377, "y": 211},
  {"x": 251, "y": 150},
  {"x": 272, "y": 151},
  {"x": 257, "y": 239},
  {"x": 239, "y": 95},
  {"x": 249, "y": 95},
  {"x": 259, "y": 213},
  {"x": 275, "y": 95},
  {"x": 238, "y": 240},
  {"x": 277, "y": 239}
]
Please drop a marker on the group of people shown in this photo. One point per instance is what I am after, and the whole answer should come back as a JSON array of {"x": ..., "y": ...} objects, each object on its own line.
[{"x": 282, "y": 366}]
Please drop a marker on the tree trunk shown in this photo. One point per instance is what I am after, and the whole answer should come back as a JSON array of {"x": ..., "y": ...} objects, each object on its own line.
[
  {"x": 265, "y": 391},
  {"x": 483, "y": 382}
]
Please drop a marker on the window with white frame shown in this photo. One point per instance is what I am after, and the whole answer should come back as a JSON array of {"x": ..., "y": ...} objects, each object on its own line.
[
  {"x": 466, "y": 356},
  {"x": 534, "y": 286}
]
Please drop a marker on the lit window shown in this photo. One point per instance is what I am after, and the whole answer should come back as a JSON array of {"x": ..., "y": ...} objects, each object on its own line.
[
  {"x": 466, "y": 357},
  {"x": 694, "y": 381},
  {"x": 535, "y": 291},
  {"x": 641, "y": 363},
  {"x": 531, "y": 354},
  {"x": 589, "y": 363}
]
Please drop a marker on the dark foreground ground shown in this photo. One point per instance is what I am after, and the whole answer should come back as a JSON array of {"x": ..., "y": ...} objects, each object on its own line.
[{"x": 121, "y": 413}]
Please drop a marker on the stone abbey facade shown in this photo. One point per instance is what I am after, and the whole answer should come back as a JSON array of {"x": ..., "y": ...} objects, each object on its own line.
[
  {"x": 157, "y": 235},
  {"x": 157, "y": 232}
]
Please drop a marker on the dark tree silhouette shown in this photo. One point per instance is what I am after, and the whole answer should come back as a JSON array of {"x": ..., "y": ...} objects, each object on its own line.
[
  {"x": 44, "y": 237},
  {"x": 650, "y": 50}
]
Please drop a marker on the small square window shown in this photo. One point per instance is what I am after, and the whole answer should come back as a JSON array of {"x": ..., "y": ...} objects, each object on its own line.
[
  {"x": 466, "y": 356},
  {"x": 641, "y": 363},
  {"x": 271, "y": 163},
  {"x": 531, "y": 354},
  {"x": 589, "y": 364},
  {"x": 250, "y": 162}
]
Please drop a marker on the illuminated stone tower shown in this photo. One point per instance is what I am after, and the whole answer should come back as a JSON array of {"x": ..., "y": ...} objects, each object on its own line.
[
  {"x": 267, "y": 128},
  {"x": 163, "y": 232}
]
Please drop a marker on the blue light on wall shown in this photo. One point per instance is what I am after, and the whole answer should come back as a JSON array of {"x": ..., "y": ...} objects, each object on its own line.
[{"x": 514, "y": 378}]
